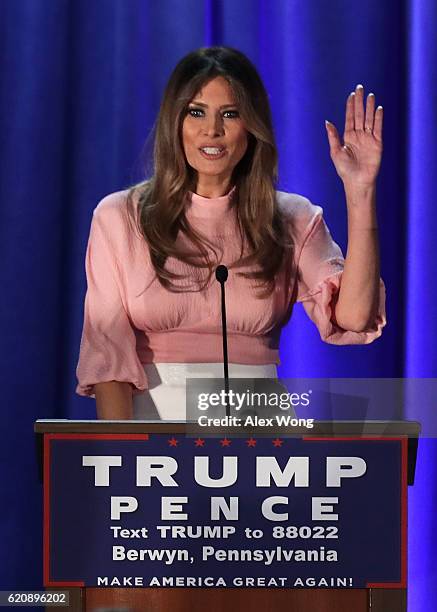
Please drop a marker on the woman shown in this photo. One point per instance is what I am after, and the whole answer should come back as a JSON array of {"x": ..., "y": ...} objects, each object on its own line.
[{"x": 152, "y": 311}]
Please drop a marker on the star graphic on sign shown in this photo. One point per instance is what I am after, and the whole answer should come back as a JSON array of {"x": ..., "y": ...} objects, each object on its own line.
[
  {"x": 251, "y": 443},
  {"x": 173, "y": 441},
  {"x": 225, "y": 442},
  {"x": 277, "y": 442},
  {"x": 199, "y": 442}
]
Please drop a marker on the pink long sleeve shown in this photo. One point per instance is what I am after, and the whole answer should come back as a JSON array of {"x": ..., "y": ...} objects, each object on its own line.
[
  {"x": 108, "y": 345},
  {"x": 320, "y": 269}
]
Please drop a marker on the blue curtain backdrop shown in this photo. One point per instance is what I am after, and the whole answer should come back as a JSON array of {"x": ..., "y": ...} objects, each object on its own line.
[{"x": 80, "y": 85}]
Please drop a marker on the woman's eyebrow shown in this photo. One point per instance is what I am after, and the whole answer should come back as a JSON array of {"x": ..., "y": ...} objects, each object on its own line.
[{"x": 206, "y": 105}]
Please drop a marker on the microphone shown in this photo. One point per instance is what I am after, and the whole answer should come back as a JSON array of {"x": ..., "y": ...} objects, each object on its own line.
[{"x": 221, "y": 274}]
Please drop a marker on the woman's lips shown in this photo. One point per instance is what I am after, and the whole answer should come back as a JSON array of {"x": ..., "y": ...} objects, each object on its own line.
[{"x": 213, "y": 156}]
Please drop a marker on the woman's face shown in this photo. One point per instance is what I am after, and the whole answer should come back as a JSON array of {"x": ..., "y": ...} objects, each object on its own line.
[{"x": 214, "y": 136}]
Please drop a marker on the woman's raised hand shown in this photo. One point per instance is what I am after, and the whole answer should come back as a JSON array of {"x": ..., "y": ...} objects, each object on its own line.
[{"x": 358, "y": 159}]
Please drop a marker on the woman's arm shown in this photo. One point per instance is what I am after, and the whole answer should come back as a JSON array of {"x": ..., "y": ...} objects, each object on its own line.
[
  {"x": 114, "y": 400},
  {"x": 108, "y": 345},
  {"x": 357, "y": 303},
  {"x": 357, "y": 162}
]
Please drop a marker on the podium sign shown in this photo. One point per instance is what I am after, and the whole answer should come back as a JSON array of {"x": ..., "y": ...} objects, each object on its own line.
[{"x": 167, "y": 509}]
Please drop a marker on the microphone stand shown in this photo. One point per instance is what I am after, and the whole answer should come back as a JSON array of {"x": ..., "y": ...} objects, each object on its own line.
[{"x": 221, "y": 275}]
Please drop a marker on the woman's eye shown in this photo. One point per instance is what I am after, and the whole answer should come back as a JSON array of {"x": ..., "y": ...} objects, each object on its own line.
[
  {"x": 233, "y": 114},
  {"x": 195, "y": 112}
]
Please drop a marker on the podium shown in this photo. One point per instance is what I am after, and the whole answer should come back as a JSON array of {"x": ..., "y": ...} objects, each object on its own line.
[{"x": 336, "y": 442}]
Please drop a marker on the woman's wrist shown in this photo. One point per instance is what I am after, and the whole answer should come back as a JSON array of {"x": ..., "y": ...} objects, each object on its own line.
[
  {"x": 361, "y": 206},
  {"x": 114, "y": 400}
]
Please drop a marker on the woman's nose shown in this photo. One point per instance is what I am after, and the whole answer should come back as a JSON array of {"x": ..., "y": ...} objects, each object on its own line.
[{"x": 213, "y": 125}]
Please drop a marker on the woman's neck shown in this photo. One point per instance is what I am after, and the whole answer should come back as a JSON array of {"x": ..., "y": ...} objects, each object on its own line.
[{"x": 216, "y": 190}]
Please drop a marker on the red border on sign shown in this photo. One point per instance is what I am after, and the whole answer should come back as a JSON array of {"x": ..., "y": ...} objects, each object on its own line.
[
  {"x": 404, "y": 498},
  {"x": 46, "y": 521}
]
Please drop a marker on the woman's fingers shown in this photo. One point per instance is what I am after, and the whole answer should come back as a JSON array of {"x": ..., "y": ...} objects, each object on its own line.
[
  {"x": 359, "y": 108},
  {"x": 377, "y": 126},
  {"x": 349, "y": 123},
  {"x": 359, "y": 118},
  {"x": 370, "y": 113},
  {"x": 333, "y": 137}
]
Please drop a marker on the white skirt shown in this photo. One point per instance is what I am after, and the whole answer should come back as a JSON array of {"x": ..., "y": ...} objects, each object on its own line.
[{"x": 165, "y": 399}]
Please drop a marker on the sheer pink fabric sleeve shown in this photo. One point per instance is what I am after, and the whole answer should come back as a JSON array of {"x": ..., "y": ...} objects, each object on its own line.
[
  {"x": 320, "y": 270},
  {"x": 108, "y": 345}
]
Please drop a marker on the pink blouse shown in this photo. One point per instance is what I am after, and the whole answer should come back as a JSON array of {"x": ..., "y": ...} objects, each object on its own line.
[{"x": 130, "y": 319}]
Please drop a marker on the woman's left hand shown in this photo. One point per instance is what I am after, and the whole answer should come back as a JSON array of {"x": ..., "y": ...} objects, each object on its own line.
[{"x": 357, "y": 161}]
